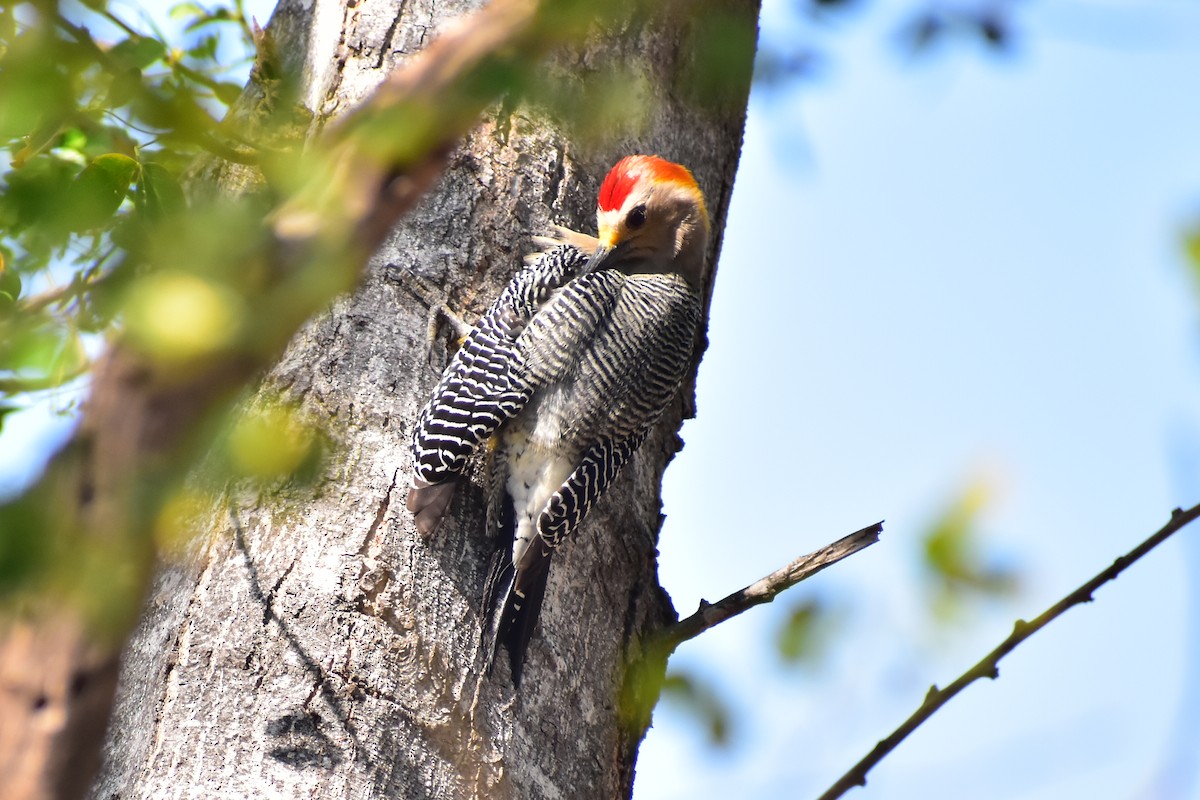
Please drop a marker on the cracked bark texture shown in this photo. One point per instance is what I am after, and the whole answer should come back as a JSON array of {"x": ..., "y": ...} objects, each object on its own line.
[{"x": 316, "y": 646}]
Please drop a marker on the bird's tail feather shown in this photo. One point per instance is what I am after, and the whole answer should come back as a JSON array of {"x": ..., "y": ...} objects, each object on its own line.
[
  {"x": 515, "y": 590},
  {"x": 522, "y": 605}
]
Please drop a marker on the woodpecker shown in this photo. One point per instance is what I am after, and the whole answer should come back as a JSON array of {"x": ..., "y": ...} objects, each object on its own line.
[{"x": 565, "y": 375}]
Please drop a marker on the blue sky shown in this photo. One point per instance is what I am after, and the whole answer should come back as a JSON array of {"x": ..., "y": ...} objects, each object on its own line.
[{"x": 970, "y": 267}]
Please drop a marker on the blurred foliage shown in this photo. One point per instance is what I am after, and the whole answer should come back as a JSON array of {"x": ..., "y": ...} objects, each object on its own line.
[
  {"x": 955, "y": 565},
  {"x": 721, "y": 44},
  {"x": 1191, "y": 249},
  {"x": 804, "y": 50},
  {"x": 700, "y": 699},
  {"x": 97, "y": 129},
  {"x": 103, "y": 115},
  {"x": 272, "y": 441},
  {"x": 989, "y": 23},
  {"x": 806, "y": 632}
]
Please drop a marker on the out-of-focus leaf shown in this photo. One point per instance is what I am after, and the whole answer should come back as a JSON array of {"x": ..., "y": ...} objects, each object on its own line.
[
  {"x": 825, "y": 10},
  {"x": 23, "y": 547},
  {"x": 5, "y": 410},
  {"x": 994, "y": 31},
  {"x": 775, "y": 67},
  {"x": 953, "y": 554},
  {"x": 923, "y": 32},
  {"x": 10, "y": 279},
  {"x": 270, "y": 443},
  {"x": 8, "y": 26},
  {"x": 802, "y": 638},
  {"x": 183, "y": 10},
  {"x": 720, "y": 52},
  {"x": 98, "y": 191},
  {"x": 41, "y": 138},
  {"x": 211, "y": 18},
  {"x": 227, "y": 93},
  {"x": 138, "y": 52},
  {"x": 177, "y": 316},
  {"x": 189, "y": 241},
  {"x": 700, "y": 699},
  {"x": 161, "y": 194},
  {"x": 206, "y": 49},
  {"x": 35, "y": 193},
  {"x": 606, "y": 102},
  {"x": 1191, "y": 248},
  {"x": 177, "y": 521},
  {"x": 32, "y": 348},
  {"x": 126, "y": 86},
  {"x": 72, "y": 139}
]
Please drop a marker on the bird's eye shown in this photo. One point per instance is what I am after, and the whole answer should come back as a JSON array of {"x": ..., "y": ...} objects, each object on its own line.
[{"x": 636, "y": 218}]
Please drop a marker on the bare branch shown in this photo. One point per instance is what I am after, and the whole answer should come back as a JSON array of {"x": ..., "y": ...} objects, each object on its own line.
[
  {"x": 765, "y": 589},
  {"x": 989, "y": 667}
]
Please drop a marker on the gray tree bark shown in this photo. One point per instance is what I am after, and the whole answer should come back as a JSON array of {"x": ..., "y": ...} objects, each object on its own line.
[{"x": 316, "y": 646}]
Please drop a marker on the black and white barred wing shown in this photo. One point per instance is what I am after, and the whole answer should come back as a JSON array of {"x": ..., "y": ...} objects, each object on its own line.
[{"x": 485, "y": 384}]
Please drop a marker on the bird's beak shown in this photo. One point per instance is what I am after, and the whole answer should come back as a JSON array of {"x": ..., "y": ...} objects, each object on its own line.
[{"x": 606, "y": 256}]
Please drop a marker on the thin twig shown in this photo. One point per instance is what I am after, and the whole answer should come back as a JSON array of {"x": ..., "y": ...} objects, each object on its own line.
[
  {"x": 989, "y": 666},
  {"x": 79, "y": 283},
  {"x": 765, "y": 589}
]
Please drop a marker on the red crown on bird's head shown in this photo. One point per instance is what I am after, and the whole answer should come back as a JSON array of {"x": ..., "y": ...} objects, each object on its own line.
[{"x": 631, "y": 170}]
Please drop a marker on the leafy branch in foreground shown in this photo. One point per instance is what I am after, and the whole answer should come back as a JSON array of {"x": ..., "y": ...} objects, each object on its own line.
[{"x": 989, "y": 665}]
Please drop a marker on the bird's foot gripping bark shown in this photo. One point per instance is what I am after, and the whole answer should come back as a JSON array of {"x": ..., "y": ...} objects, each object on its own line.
[{"x": 436, "y": 298}]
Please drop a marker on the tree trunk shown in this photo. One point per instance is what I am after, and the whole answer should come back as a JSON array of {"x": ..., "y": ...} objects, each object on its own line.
[{"x": 317, "y": 646}]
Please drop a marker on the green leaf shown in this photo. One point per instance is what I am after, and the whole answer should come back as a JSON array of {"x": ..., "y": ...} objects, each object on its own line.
[
  {"x": 23, "y": 551},
  {"x": 182, "y": 10},
  {"x": 700, "y": 699},
  {"x": 10, "y": 280},
  {"x": 227, "y": 93},
  {"x": 1191, "y": 248},
  {"x": 800, "y": 639},
  {"x": 161, "y": 193},
  {"x": 211, "y": 18},
  {"x": 36, "y": 193},
  {"x": 5, "y": 410},
  {"x": 31, "y": 349},
  {"x": 98, "y": 191},
  {"x": 37, "y": 141},
  {"x": 138, "y": 52},
  {"x": 954, "y": 557},
  {"x": 206, "y": 49},
  {"x": 126, "y": 86},
  {"x": 73, "y": 139}
]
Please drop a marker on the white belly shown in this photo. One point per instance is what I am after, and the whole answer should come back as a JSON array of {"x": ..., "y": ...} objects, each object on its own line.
[{"x": 538, "y": 464}]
